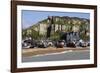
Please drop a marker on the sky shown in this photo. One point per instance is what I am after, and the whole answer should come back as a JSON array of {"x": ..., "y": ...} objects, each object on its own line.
[{"x": 31, "y": 17}]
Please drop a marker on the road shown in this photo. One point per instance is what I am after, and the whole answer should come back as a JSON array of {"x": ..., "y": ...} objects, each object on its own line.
[{"x": 71, "y": 55}]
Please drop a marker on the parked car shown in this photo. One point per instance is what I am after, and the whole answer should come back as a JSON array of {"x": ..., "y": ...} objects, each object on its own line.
[
  {"x": 82, "y": 43},
  {"x": 71, "y": 44},
  {"x": 42, "y": 44},
  {"x": 28, "y": 43},
  {"x": 50, "y": 43},
  {"x": 60, "y": 44}
]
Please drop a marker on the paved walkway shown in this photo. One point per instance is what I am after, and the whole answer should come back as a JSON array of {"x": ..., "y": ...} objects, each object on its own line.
[{"x": 41, "y": 51}]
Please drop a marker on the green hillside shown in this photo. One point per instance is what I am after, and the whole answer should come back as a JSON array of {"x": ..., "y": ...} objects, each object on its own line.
[{"x": 59, "y": 24}]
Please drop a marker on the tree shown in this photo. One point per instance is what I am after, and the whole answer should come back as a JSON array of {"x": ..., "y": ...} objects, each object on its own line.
[{"x": 84, "y": 28}]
